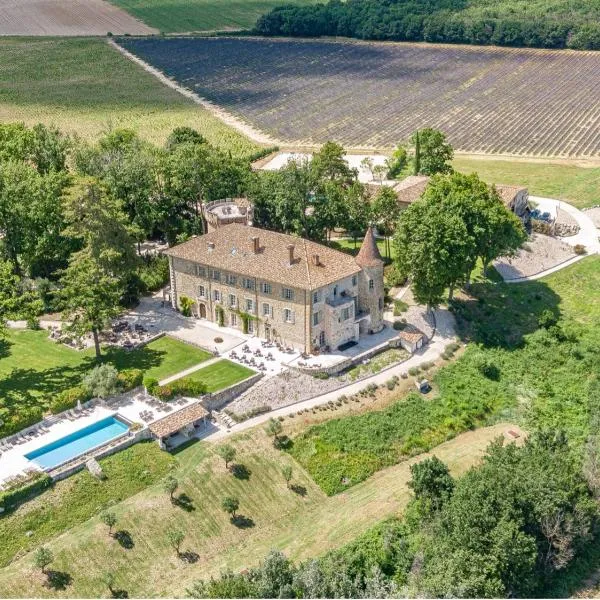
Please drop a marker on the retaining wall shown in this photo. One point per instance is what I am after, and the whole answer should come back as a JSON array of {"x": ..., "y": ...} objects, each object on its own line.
[{"x": 219, "y": 399}]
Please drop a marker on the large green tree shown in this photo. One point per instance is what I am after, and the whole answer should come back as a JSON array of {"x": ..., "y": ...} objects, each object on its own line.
[
  {"x": 433, "y": 153},
  {"x": 431, "y": 248},
  {"x": 97, "y": 276},
  {"x": 509, "y": 524}
]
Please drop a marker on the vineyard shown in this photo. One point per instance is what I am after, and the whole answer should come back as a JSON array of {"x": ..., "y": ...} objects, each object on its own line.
[
  {"x": 58, "y": 17},
  {"x": 487, "y": 100}
]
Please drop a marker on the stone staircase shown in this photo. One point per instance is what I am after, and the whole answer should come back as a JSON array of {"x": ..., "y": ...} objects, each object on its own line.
[{"x": 223, "y": 418}]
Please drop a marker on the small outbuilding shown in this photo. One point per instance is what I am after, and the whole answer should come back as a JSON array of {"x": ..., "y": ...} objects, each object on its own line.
[
  {"x": 411, "y": 339},
  {"x": 176, "y": 428}
]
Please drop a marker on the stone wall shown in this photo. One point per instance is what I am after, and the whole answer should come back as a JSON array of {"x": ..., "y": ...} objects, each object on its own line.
[{"x": 219, "y": 399}]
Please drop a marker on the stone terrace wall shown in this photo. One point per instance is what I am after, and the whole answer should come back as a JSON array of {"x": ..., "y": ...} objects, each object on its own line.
[{"x": 219, "y": 399}]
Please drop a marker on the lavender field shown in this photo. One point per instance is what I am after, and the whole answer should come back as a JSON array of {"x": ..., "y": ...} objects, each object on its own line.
[{"x": 488, "y": 100}]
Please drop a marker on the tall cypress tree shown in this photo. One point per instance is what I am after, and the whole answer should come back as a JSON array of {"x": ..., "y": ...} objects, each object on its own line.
[{"x": 417, "y": 165}]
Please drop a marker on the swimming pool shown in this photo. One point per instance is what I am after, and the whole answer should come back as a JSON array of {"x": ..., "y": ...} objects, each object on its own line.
[{"x": 78, "y": 443}]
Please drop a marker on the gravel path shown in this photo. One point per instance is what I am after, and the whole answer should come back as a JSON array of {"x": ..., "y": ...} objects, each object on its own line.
[
  {"x": 540, "y": 253},
  {"x": 594, "y": 215}
]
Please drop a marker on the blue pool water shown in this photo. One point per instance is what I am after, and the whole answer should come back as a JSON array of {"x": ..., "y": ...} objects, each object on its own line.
[{"x": 77, "y": 443}]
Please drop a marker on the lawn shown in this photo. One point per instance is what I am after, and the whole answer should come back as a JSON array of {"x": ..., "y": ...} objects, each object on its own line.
[
  {"x": 304, "y": 523},
  {"x": 75, "y": 500},
  {"x": 33, "y": 368},
  {"x": 574, "y": 184},
  {"x": 221, "y": 375},
  {"x": 517, "y": 370},
  {"x": 200, "y": 15},
  {"x": 84, "y": 86}
]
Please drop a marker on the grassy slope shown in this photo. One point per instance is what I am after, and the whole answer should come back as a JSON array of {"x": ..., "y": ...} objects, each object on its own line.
[
  {"x": 545, "y": 383},
  {"x": 84, "y": 86},
  {"x": 221, "y": 374},
  {"x": 31, "y": 366},
  {"x": 200, "y": 15},
  {"x": 302, "y": 526},
  {"x": 578, "y": 185},
  {"x": 76, "y": 499}
]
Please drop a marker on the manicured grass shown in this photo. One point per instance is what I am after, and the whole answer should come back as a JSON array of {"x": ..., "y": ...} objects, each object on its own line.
[
  {"x": 577, "y": 185},
  {"x": 75, "y": 500},
  {"x": 175, "y": 356},
  {"x": 200, "y": 15},
  {"x": 84, "y": 86},
  {"x": 33, "y": 368},
  {"x": 302, "y": 524},
  {"x": 221, "y": 375}
]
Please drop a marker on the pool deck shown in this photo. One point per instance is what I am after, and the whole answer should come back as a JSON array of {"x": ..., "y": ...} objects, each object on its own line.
[{"x": 129, "y": 406}]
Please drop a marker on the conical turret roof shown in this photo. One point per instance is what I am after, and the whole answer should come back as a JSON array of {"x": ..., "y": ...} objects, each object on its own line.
[{"x": 369, "y": 255}]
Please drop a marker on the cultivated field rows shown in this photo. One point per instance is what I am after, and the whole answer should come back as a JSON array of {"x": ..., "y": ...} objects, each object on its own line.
[
  {"x": 488, "y": 100},
  {"x": 67, "y": 17}
]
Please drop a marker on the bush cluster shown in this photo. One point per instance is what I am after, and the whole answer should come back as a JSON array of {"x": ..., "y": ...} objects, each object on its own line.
[
  {"x": 16, "y": 495},
  {"x": 446, "y": 21},
  {"x": 179, "y": 387},
  {"x": 67, "y": 399}
]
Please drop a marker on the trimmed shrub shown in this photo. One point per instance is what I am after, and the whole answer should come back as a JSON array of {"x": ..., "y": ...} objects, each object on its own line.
[
  {"x": 413, "y": 371},
  {"x": 186, "y": 304},
  {"x": 67, "y": 399},
  {"x": 151, "y": 385},
  {"x": 399, "y": 325},
  {"x": 180, "y": 387},
  {"x": 102, "y": 381},
  {"x": 580, "y": 249},
  {"x": 399, "y": 307},
  {"x": 21, "y": 420},
  {"x": 129, "y": 379}
]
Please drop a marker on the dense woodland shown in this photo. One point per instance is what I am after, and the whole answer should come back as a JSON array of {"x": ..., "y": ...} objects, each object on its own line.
[{"x": 539, "y": 24}]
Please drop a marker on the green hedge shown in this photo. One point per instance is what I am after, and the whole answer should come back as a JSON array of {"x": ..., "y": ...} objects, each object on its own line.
[
  {"x": 179, "y": 387},
  {"x": 68, "y": 399},
  {"x": 26, "y": 417},
  {"x": 129, "y": 379},
  {"x": 10, "y": 499}
]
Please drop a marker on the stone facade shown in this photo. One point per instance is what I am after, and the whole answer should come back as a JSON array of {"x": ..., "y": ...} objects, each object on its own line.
[{"x": 302, "y": 312}]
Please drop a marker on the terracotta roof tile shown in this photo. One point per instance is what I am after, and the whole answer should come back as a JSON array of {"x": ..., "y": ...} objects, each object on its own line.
[
  {"x": 177, "y": 420},
  {"x": 508, "y": 192},
  {"x": 369, "y": 255},
  {"x": 411, "y": 188},
  {"x": 231, "y": 249},
  {"x": 411, "y": 334}
]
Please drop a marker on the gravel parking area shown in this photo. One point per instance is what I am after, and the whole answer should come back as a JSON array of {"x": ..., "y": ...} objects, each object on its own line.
[
  {"x": 594, "y": 215},
  {"x": 539, "y": 253}
]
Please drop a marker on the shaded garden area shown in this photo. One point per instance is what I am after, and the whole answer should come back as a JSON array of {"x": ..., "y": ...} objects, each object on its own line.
[{"x": 33, "y": 369}]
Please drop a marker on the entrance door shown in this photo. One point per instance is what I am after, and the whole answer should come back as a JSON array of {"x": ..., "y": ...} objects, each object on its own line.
[
  {"x": 202, "y": 310},
  {"x": 268, "y": 332}
]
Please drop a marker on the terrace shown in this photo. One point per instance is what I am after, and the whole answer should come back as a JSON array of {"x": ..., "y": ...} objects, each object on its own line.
[{"x": 136, "y": 410}]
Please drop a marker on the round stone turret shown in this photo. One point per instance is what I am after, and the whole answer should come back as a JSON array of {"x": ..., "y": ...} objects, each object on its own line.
[{"x": 370, "y": 283}]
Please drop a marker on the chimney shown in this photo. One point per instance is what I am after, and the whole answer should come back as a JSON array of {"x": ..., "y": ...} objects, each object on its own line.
[
  {"x": 291, "y": 253},
  {"x": 255, "y": 244},
  {"x": 210, "y": 245},
  {"x": 316, "y": 261}
]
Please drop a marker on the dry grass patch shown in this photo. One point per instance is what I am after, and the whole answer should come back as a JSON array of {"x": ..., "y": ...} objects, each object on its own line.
[{"x": 301, "y": 525}]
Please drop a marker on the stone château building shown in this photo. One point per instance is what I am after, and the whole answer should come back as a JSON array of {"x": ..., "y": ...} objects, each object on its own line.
[{"x": 279, "y": 286}]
